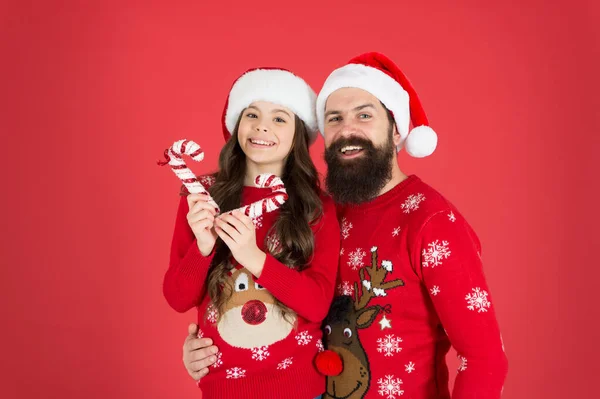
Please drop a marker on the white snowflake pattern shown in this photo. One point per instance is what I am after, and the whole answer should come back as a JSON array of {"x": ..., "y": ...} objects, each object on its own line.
[
  {"x": 412, "y": 202},
  {"x": 257, "y": 221},
  {"x": 341, "y": 251},
  {"x": 436, "y": 252},
  {"x": 345, "y": 288},
  {"x": 396, "y": 231},
  {"x": 410, "y": 367},
  {"x": 200, "y": 333},
  {"x": 286, "y": 363},
  {"x": 389, "y": 345},
  {"x": 260, "y": 353},
  {"x": 477, "y": 300},
  {"x": 345, "y": 228},
  {"x": 303, "y": 338},
  {"x": 356, "y": 259},
  {"x": 320, "y": 346},
  {"x": 463, "y": 363},
  {"x": 207, "y": 181},
  {"x": 435, "y": 290},
  {"x": 390, "y": 386},
  {"x": 452, "y": 217},
  {"x": 213, "y": 313},
  {"x": 235, "y": 373},
  {"x": 219, "y": 361}
]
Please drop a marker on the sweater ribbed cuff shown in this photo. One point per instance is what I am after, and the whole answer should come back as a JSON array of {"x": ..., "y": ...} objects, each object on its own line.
[
  {"x": 276, "y": 277},
  {"x": 194, "y": 266}
]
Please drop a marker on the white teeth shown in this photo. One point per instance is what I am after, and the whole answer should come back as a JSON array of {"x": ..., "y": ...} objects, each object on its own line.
[
  {"x": 350, "y": 148},
  {"x": 261, "y": 142}
]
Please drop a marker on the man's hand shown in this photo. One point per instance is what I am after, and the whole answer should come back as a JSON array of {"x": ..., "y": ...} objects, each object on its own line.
[{"x": 198, "y": 353}]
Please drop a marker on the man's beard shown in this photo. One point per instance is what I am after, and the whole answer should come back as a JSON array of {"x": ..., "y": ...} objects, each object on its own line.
[{"x": 358, "y": 180}]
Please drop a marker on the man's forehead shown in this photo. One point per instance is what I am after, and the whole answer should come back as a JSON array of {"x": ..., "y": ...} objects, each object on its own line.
[{"x": 347, "y": 98}]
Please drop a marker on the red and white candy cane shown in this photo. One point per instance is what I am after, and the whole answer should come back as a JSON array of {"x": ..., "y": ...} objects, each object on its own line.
[
  {"x": 277, "y": 197},
  {"x": 174, "y": 158}
]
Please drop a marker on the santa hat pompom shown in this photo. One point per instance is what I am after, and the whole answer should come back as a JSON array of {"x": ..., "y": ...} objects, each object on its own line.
[{"x": 421, "y": 142}]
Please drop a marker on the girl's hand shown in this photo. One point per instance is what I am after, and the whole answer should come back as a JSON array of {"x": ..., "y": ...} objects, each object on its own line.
[
  {"x": 201, "y": 218},
  {"x": 238, "y": 232}
]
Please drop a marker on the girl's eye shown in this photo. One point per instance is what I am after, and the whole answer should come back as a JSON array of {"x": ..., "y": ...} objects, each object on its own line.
[
  {"x": 279, "y": 120},
  {"x": 253, "y": 116}
]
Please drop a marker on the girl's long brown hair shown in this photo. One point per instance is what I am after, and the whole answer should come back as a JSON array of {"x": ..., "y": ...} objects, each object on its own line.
[{"x": 293, "y": 226}]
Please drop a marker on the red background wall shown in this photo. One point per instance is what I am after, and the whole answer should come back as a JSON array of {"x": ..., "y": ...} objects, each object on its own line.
[{"x": 92, "y": 93}]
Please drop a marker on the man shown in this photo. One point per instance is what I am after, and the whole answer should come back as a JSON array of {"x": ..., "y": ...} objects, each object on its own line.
[{"x": 411, "y": 281}]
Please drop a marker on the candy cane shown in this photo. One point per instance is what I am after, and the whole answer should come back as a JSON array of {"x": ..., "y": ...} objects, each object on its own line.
[
  {"x": 174, "y": 159},
  {"x": 277, "y": 197}
]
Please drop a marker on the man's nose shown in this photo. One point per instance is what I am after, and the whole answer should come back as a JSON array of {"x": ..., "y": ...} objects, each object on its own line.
[{"x": 347, "y": 129}]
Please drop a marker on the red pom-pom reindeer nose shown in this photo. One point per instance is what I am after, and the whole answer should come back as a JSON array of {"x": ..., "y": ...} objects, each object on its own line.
[
  {"x": 329, "y": 363},
  {"x": 254, "y": 312}
]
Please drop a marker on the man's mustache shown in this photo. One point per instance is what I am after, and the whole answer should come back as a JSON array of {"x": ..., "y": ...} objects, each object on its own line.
[{"x": 353, "y": 141}]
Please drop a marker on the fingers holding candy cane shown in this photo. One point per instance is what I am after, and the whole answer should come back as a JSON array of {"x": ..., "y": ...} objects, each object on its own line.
[
  {"x": 201, "y": 219},
  {"x": 239, "y": 234},
  {"x": 173, "y": 157},
  {"x": 237, "y": 228}
]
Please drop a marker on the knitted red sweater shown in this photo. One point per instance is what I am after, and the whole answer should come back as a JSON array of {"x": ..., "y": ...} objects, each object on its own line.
[
  {"x": 261, "y": 355},
  {"x": 411, "y": 269}
]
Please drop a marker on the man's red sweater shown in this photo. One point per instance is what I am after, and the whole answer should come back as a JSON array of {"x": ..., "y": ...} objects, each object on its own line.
[{"x": 412, "y": 271}]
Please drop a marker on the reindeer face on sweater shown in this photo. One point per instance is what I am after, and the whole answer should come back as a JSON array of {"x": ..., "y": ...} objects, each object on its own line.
[
  {"x": 251, "y": 318},
  {"x": 341, "y": 334},
  {"x": 343, "y": 323}
]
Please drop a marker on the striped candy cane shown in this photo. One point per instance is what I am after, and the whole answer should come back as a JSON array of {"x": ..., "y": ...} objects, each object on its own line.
[
  {"x": 174, "y": 158},
  {"x": 277, "y": 197}
]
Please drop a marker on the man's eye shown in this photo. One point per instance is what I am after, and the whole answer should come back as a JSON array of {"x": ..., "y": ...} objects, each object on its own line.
[
  {"x": 364, "y": 116},
  {"x": 334, "y": 119}
]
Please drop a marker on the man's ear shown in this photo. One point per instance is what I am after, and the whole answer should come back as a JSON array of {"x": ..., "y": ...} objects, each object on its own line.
[{"x": 395, "y": 135}]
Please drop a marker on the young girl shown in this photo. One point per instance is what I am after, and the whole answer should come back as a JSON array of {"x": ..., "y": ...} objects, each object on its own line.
[{"x": 262, "y": 286}]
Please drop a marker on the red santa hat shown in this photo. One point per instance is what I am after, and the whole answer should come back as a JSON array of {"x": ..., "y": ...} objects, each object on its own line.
[
  {"x": 378, "y": 75},
  {"x": 275, "y": 85}
]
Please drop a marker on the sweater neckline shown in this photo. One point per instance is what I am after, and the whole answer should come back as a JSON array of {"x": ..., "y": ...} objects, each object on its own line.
[
  {"x": 384, "y": 199},
  {"x": 251, "y": 194}
]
